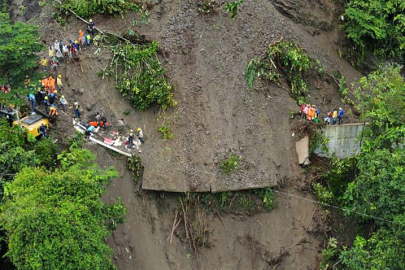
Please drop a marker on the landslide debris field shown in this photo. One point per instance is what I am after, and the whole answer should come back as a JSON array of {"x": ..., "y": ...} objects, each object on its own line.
[{"x": 205, "y": 57}]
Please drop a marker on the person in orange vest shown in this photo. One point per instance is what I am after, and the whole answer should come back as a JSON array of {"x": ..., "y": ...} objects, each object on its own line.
[
  {"x": 311, "y": 113},
  {"x": 45, "y": 83},
  {"x": 51, "y": 83},
  {"x": 81, "y": 34},
  {"x": 53, "y": 110}
]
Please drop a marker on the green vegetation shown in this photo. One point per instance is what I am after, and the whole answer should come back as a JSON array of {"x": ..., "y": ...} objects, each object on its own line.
[
  {"x": 51, "y": 210},
  {"x": 233, "y": 7},
  {"x": 318, "y": 140},
  {"x": 370, "y": 186},
  {"x": 134, "y": 164},
  {"x": 139, "y": 75},
  {"x": 167, "y": 134},
  {"x": 19, "y": 45},
  {"x": 330, "y": 254},
  {"x": 87, "y": 8},
  {"x": 231, "y": 163},
  {"x": 378, "y": 26},
  {"x": 288, "y": 58}
]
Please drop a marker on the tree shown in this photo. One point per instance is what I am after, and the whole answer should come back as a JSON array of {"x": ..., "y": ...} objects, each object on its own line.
[
  {"x": 378, "y": 189},
  {"x": 377, "y": 25},
  {"x": 19, "y": 45},
  {"x": 56, "y": 220}
]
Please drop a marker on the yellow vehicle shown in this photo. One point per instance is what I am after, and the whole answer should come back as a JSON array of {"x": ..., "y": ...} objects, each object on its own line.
[{"x": 32, "y": 123}]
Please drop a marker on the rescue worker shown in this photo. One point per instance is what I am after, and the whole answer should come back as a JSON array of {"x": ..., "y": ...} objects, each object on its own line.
[
  {"x": 76, "y": 106},
  {"x": 334, "y": 117},
  {"x": 328, "y": 118},
  {"x": 131, "y": 138},
  {"x": 42, "y": 130},
  {"x": 88, "y": 39},
  {"x": 90, "y": 27},
  {"x": 81, "y": 34},
  {"x": 31, "y": 98},
  {"x": 47, "y": 104},
  {"x": 53, "y": 64},
  {"x": 311, "y": 113},
  {"x": 98, "y": 117},
  {"x": 51, "y": 84},
  {"x": 140, "y": 135},
  {"x": 51, "y": 98},
  {"x": 302, "y": 108},
  {"x": 45, "y": 83},
  {"x": 44, "y": 64},
  {"x": 59, "y": 82},
  {"x": 53, "y": 110},
  {"x": 89, "y": 131},
  {"x": 51, "y": 51},
  {"x": 77, "y": 46},
  {"x": 340, "y": 115},
  {"x": 63, "y": 103},
  {"x": 38, "y": 96}
]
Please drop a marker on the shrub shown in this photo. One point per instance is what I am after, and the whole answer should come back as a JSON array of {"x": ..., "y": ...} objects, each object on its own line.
[
  {"x": 167, "y": 134},
  {"x": 134, "y": 164},
  {"x": 86, "y": 8},
  {"x": 233, "y": 7},
  {"x": 287, "y": 57},
  {"x": 230, "y": 163},
  {"x": 139, "y": 75}
]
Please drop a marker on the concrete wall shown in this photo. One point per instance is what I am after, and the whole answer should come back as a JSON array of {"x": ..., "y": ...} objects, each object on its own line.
[{"x": 343, "y": 140}]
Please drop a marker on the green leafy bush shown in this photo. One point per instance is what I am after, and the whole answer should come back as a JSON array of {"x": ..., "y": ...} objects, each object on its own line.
[
  {"x": 167, "y": 134},
  {"x": 377, "y": 25},
  {"x": 86, "y": 8},
  {"x": 322, "y": 193},
  {"x": 139, "y": 75},
  {"x": 233, "y": 7},
  {"x": 286, "y": 57},
  {"x": 230, "y": 163},
  {"x": 330, "y": 254},
  {"x": 134, "y": 164}
]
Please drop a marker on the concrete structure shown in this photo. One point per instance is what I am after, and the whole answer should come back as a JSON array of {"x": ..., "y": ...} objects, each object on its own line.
[
  {"x": 343, "y": 140},
  {"x": 302, "y": 148}
]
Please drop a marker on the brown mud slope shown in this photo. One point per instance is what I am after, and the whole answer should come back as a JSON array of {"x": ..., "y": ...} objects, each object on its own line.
[
  {"x": 289, "y": 237},
  {"x": 205, "y": 58}
]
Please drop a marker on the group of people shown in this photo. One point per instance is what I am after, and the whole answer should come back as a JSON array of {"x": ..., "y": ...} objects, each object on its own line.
[
  {"x": 311, "y": 113},
  {"x": 101, "y": 122},
  {"x": 131, "y": 137},
  {"x": 47, "y": 94},
  {"x": 59, "y": 51}
]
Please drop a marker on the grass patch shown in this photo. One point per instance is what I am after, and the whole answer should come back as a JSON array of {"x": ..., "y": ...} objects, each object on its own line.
[{"x": 231, "y": 163}]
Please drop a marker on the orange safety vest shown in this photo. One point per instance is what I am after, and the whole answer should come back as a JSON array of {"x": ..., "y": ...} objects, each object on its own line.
[
  {"x": 94, "y": 124},
  {"x": 45, "y": 82}
]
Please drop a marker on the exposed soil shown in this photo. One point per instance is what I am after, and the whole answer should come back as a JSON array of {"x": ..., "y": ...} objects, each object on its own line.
[{"x": 205, "y": 58}]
